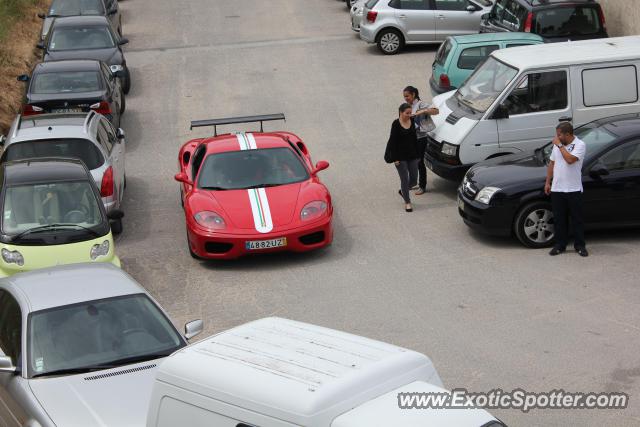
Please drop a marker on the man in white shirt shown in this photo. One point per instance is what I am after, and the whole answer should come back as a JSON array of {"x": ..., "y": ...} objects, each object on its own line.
[{"x": 564, "y": 184}]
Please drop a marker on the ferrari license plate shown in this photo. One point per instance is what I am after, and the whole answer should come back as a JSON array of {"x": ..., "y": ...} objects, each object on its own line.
[
  {"x": 66, "y": 110},
  {"x": 266, "y": 244}
]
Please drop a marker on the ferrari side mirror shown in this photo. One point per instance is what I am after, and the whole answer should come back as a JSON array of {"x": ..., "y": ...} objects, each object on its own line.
[
  {"x": 182, "y": 177},
  {"x": 320, "y": 166}
]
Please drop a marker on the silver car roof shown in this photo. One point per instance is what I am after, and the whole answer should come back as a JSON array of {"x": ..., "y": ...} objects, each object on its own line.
[
  {"x": 48, "y": 126},
  {"x": 69, "y": 284}
]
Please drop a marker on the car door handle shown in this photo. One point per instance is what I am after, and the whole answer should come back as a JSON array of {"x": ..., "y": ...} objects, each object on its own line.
[
  {"x": 440, "y": 16},
  {"x": 565, "y": 119},
  {"x": 402, "y": 16}
]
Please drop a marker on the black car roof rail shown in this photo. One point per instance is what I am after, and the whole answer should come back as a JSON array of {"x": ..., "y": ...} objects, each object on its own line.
[{"x": 233, "y": 120}]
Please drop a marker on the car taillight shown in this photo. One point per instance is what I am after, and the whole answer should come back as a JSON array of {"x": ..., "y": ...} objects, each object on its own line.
[
  {"x": 30, "y": 110},
  {"x": 528, "y": 23},
  {"x": 444, "y": 80},
  {"x": 372, "y": 15},
  {"x": 106, "y": 187},
  {"x": 603, "y": 24},
  {"x": 101, "y": 107}
]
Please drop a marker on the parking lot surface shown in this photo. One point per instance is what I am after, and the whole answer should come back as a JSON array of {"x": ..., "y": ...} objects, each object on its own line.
[{"x": 490, "y": 313}]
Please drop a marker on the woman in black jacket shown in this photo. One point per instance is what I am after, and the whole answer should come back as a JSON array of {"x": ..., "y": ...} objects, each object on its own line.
[{"x": 402, "y": 150}]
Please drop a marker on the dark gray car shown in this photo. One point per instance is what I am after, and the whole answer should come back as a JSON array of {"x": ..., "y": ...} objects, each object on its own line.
[
  {"x": 87, "y": 37},
  {"x": 60, "y": 8}
]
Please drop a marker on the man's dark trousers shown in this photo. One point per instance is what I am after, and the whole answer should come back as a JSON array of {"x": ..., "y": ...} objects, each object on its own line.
[{"x": 565, "y": 206}]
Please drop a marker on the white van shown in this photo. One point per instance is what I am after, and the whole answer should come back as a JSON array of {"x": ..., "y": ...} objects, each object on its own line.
[
  {"x": 280, "y": 373},
  {"x": 516, "y": 98}
]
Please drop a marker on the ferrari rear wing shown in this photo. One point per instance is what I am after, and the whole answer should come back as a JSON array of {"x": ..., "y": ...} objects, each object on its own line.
[{"x": 232, "y": 120}]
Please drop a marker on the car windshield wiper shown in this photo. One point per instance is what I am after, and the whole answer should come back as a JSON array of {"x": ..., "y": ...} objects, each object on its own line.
[
  {"x": 263, "y": 186},
  {"x": 214, "y": 188},
  {"x": 53, "y": 227},
  {"x": 140, "y": 358},
  {"x": 71, "y": 371}
]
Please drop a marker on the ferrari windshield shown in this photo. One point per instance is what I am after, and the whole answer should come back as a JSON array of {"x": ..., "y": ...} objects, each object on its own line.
[
  {"x": 235, "y": 170},
  {"x": 485, "y": 84},
  {"x": 58, "y": 207},
  {"x": 99, "y": 334}
]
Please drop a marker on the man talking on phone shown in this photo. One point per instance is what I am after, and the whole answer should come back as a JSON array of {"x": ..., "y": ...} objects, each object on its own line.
[{"x": 564, "y": 184}]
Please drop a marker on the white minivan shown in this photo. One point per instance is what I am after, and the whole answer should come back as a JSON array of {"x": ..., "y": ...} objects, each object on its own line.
[
  {"x": 516, "y": 98},
  {"x": 275, "y": 372}
]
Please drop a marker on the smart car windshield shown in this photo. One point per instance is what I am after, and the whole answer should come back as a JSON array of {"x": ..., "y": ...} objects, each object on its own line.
[
  {"x": 80, "y": 38},
  {"x": 66, "y": 82},
  {"x": 236, "y": 170},
  {"x": 99, "y": 334},
  {"x": 76, "y": 7},
  {"x": 32, "y": 209},
  {"x": 486, "y": 83},
  {"x": 594, "y": 136}
]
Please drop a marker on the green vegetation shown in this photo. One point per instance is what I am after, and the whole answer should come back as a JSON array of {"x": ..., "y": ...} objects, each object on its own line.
[{"x": 10, "y": 10}]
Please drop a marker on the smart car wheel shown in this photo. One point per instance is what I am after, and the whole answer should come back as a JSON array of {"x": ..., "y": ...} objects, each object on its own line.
[
  {"x": 390, "y": 41},
  {"x": 116, "y": 226},
  {"x": 534, "y": 225}
]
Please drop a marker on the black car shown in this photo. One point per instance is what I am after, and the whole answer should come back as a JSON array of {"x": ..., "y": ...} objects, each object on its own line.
[
  {"x": 59, "y": 8},
  {"x": 555, "y": 20},
  {"x": 87, "y": 37},
  {"x": 73, "y": 86},
  {"x": 505, "y": 195}
]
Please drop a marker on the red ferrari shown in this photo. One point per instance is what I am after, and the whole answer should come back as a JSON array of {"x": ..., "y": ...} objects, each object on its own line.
[{"x": 252, "y": 192}]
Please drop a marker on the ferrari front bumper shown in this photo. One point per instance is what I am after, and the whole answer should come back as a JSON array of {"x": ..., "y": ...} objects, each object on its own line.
[{"x": 229, "y": 246}]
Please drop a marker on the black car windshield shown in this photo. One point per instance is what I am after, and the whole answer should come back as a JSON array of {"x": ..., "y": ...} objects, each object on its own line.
[
  {"x": 567, "y": 20},
  {"x": 81, "y": 38},
  {"x": 235, "y": 170},
  {"x": 82, "y": 149},
  {"x": 98, "y": 334},
  {"x": 486, "y": 83},
  {"x": 76, "y": 7},
  {"x": 65, "y": 82},
  {"x": 56, "y": 207},
  {"x": 595, "y": 138}
]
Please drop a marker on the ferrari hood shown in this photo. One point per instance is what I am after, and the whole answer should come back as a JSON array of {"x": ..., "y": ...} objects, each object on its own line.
[
  {"x": 114, "y": 397},
  {"x": 261, "y": 209}
]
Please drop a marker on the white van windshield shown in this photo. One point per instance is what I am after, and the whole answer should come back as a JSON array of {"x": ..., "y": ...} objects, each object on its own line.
[{"x": 485, "y": 84}]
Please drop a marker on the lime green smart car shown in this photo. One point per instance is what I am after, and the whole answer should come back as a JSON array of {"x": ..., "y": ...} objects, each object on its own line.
[{"x": 52, "y": 214}]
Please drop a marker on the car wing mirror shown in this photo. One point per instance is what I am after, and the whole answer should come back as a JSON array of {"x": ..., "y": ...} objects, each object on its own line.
[
  {"x": 6, "y": 364},
  {"x": 485, "y": 16},
  {"x": 113, "y": 11},
  {"x": 40, "y": 45},
  {"x": 120, "y": 134},
  {"x": 320, "y": 166},
  {"x": 598, "y": 170},
  {"x": 501, "y": 112},
  {"x": 182, "y": 177},
  {"x": 123, "y": 41},
  {"x": 41, "y": 15},
  {"x": 3, "y": 139},
  {"x": 193, "y": 328},
  {"x": 471, "y": 8},
  {"x": 119, "y": 74},
  {"x": 23, "y": 78},
  {"x": 115, "y": 214}
]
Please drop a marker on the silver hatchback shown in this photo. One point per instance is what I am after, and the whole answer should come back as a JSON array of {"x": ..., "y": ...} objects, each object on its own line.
[
  {"x": 89, "y": 137},
  {"x": 393, "y": 23}
]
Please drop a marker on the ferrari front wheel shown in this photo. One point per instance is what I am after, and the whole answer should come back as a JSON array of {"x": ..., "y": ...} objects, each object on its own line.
[{"x": 193, "y": 254}]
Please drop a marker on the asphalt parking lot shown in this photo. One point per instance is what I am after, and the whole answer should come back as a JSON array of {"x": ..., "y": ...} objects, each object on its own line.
[{"x": 490, "y": 313}]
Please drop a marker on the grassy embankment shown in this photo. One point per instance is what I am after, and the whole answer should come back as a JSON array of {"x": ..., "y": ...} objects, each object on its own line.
[{"x": 19, "y": 32}]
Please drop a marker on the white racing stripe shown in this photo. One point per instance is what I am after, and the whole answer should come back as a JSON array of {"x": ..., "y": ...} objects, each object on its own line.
[{"x": 257, "y": 196}]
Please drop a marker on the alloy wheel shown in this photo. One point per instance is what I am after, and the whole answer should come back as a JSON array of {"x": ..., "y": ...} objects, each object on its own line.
[
  {"x": 538, "y": 226},
  {"x": 390, "y": 42}
]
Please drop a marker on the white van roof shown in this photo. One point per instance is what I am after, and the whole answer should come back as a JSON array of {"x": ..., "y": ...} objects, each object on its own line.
[
  {"x": 293, "y": 371},
  {"x": 384, "y": 411},
  {"x": 570, "y": 53}
]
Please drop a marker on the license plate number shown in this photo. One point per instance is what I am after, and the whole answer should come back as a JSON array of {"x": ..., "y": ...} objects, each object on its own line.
[
  {"x": 266, "y": 244},
  {"x": 461, "y": 204},
  {"x": 66, "y": 110}
]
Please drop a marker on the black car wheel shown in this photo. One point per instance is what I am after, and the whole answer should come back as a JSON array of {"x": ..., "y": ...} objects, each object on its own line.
[
  {"x": 123, "y": 103},
  {"x": 126, "y": 81},
  {"x": 193, "y": 254},
  {"x": 116, "y": 226},
  {"x": 534, "y": 225},
  {"x": 390, "y": 41}
]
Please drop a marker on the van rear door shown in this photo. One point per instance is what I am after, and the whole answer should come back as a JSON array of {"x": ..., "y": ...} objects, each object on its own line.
[{"x": 535, "y": 105}]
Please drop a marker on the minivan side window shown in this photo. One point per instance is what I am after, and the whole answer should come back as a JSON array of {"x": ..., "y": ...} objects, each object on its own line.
[
  {"x": 623, "y": 158},
  {"x": 625, "y": 90},
  {"x": 10, "y": 327},
  {"x": 471, "y": 57},
  {"x": 538, "y": 92}
]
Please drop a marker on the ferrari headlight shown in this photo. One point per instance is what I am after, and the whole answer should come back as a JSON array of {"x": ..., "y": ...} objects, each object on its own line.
[
  {"x": 116, "y": 68},
  {"x": 99, "y": 249},
  {"x": 449, "y": 149},
  {"x": 210, "y": 220},
  {"x": 313, "y": 210},
  {"x": 12, "y": 257},
  {"x": 484, "y": 196}
]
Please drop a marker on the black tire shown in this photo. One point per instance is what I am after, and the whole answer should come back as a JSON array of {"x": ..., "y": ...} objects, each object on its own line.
[
  {"x": 116, "y": 226},
  {"x": 123, "y": 103},
  {"x": 120, "y": 26},
  {"x": 124, "y": 184},
  {"x": 390, "y": 41},
  {"x": 126, "y": 81},
  {"x": 193, "y": 254},
  {"x": 533, "y": 225}
]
